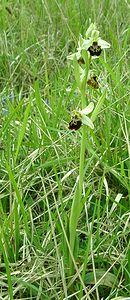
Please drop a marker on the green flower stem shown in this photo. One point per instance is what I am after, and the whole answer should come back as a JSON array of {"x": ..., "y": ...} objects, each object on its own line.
[
  {"x": 82, "y": 150},
  {"x": 82, "y": 156},
  {"x": 75, "y": 209}
]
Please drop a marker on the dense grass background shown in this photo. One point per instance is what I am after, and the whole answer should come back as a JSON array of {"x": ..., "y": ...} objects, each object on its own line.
[{"x": 39, "y": 156}]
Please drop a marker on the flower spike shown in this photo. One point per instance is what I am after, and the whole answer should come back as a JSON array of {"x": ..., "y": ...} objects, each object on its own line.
[{"x": 92, "y": 43}]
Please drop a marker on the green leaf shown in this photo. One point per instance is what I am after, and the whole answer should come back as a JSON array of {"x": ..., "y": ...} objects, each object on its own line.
[
  {"x": 2, "y": 247},
  {"x": 23, "y": 129},
  {"x": 107, "y": 279},
  {"x": 115, "y": 204},
  {"x": 14, "y": 112},
  {"x": 19, "y": 199},
  {"x": 83, "y": 200},
  {"x": 121, "y": 298},
  {"x": 98, "y": 107},
  {"x": 77, "y": 72},
  {"x": 40, "y": 105}
]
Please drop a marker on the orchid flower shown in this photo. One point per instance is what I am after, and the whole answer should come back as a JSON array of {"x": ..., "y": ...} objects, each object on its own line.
[
  {"x": 79, "y": 117},
  {"x": 93, "y": 44}
]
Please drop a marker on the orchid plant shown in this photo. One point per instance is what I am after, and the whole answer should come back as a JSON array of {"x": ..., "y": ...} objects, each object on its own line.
[
  {"x": 93, "y": 44},
  {"x": 88, "y": 48}
]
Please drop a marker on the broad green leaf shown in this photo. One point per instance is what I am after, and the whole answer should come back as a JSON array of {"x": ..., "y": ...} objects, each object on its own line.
[{"x": 107, "y": 279}]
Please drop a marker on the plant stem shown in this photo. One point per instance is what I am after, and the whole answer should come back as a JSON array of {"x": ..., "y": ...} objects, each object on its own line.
[
  {"x": 81, "y": 165},
  {"x": 82, "y": 151},
  {"x": 75, "y": 208},
  {"x": 74, "y": 216}
]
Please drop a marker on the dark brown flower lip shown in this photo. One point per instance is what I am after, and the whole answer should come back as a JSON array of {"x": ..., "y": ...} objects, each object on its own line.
[
  {"x": 93, "y": 82},
  {"x": 75, "y": 124},
  {"x": 95, "y": 49}
]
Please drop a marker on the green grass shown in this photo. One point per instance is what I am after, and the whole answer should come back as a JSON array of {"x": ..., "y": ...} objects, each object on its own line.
[{"x": 39, "y": 156}]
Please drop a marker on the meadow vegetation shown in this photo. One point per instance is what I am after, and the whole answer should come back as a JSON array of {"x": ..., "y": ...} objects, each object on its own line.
[{"x": 39, "y": 155}]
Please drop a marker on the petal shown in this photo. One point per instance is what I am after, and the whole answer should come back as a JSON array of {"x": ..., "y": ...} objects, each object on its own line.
[
  {"x": 90, "y": 29},
  {"x": 86, "y": 44},
  {"x": 71, "y": 56},
  {"x": 95, "y": 35},
  {"x": 103, "y": 43},
  {"x": 87, "y": 121},
  {"x": 87, "y": 110},
  {"x": 94, "y": 57}
]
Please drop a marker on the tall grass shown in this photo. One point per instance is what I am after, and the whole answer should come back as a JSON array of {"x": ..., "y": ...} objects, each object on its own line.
[{"x": 40, "y": 157}]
